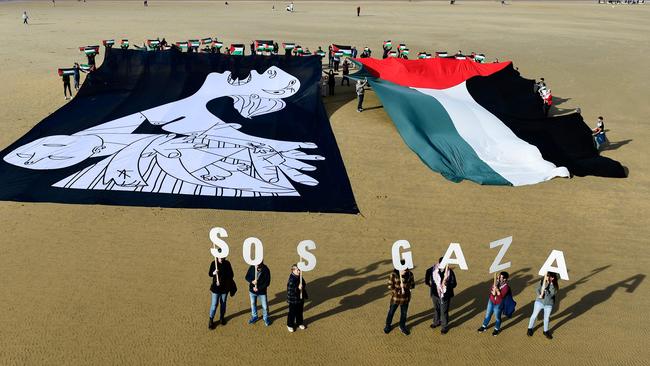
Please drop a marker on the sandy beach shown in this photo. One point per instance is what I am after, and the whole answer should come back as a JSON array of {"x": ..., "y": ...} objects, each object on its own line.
[{"x": 90, "y": 284}]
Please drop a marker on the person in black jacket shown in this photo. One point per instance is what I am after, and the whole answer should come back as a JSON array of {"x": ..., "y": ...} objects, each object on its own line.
[
  {"x": 442, "y": 282},
  {"x": 259, "y": 279},
  {"x": 222, "y": 284},
  {"x": 296, "y": 296}
]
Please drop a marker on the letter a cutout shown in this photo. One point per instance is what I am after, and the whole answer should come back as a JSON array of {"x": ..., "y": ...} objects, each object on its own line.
[
  {"x": 454, "y": 248},
  {"x": 556, "y": 255}
]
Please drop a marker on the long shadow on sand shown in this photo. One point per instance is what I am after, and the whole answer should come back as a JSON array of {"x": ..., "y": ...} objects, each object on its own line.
[{"x": 615, "y": 145}]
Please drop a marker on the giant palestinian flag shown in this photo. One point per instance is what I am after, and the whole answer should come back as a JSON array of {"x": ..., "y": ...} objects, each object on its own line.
[
  {"x": 482, "y": 122},
  {"x": 175, "y": 129}
]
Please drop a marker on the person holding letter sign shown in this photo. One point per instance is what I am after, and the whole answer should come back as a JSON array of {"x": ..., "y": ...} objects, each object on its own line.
[
  {"x": 222, "y": 284},
  {"x": 296, "y": 296},
  {"x": 259, "y": 279},
  {"x": 495, "y": 304},
  {"x": 400, "y": 284},
  {"x": 546, "y": 291},
  {"x": 442, "y": 281}
]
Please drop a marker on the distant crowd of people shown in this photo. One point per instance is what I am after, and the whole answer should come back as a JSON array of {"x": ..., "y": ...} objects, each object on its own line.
[{"x": 440, "y": 279}]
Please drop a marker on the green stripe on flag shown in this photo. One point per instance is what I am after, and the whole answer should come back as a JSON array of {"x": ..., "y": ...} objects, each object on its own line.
[{"x": 428, "y": 130}]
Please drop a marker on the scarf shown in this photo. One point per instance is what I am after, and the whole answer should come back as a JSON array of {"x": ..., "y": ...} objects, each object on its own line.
[{"x": 441, "y": 287}]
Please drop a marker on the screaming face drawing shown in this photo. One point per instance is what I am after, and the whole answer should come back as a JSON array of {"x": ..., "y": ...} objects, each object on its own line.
[{"x": 199, "y": 155}]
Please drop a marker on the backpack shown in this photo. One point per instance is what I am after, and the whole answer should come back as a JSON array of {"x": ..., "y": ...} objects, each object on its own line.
[{"x": 509, "y": 305}]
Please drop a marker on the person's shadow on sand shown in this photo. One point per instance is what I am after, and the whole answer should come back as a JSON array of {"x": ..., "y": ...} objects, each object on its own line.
[{"x": 595, "y": 298}]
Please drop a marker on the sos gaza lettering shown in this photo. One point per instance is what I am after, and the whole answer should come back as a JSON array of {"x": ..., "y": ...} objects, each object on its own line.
[{"x": 401, "y": 255}]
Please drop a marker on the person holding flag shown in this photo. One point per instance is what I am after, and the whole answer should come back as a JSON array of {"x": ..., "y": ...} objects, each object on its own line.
[
  {"x": 259, "y": 279},
  {"x": 222, "y": 284},
  {"x": 498, "y": 292},
  {"x": 400, "y": 284},
  {"x": 296, "y": 296},
  {"x": 442, "y": 281},
  {"x": 546, "y": 291}
]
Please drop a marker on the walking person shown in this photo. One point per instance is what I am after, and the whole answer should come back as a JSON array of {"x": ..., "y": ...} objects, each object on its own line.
[
  {"x": 442, "y": 282},
  {"x": 331, "y": 82},
  {"x": 296, "y": 296},
  {"x": 66, "y": 86},
  {"x": 358, "y": 11},
  {"x": 495, "y": 303},
  {"x": 259, "y": 279},
  {"x": 222, "y": 284},
  {"x": 546, "y": 291},
  {"x": 25, "y": 17},
  {"x": 400, "y": 284},
  {"x": 360, "y": 88},
  {"x": 346, "y": 72}
]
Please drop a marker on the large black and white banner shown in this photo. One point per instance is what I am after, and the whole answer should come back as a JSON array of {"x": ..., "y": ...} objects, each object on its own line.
[{"x": 173, "y": 129}]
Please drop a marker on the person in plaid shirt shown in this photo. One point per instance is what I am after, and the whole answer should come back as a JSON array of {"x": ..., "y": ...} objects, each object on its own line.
[{"x": 400, "y": 283}]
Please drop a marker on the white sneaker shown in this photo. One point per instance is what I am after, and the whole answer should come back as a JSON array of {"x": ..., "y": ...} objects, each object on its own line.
[
  {"x": 302, "y": 327},
  {"x": 290, "y": 329}
]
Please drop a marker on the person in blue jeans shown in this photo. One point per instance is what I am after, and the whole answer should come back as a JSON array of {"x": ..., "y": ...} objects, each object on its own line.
[
  {"x": 259, "y": 279},
  {"x": 498, "y": 291},
  {"x": 546, "y": 291},
  {"x": 222, "y": 284}
]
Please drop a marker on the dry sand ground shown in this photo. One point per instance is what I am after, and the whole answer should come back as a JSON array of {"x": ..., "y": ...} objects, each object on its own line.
[{"x": 87, "y": 284}]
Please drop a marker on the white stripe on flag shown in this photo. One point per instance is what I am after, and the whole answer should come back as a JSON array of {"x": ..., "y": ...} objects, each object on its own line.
[{"x": 511, "y": 157}]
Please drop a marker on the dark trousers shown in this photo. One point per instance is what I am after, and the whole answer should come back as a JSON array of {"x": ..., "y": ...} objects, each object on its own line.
[
  {"x": 403, "y": 309},
  {"x": 336, "y": 65},
  {"x": 294, "y": 318},
  {"x": 440, "y": 311},
  {"x": 360, "y": 104},
  {"x": 331, "y": 88},
  {"x": 66, "y": 88},
  {"x": 345, "y": 79}
]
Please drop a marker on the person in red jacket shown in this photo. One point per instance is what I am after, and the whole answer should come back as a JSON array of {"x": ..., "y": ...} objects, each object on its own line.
[{"x": 498, "y": 291}]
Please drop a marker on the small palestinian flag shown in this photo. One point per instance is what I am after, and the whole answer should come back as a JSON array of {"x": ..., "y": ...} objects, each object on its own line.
[
  {"x": 66, "y": 71},
  {"x": 482, "y": 122},
  {"x": 424, "y": 55},
  {"x": 108, "y": 42},
  {"x": 366, "y": 49},
  {"x": 194, "y": 43},
  {"x": 441, "y": 54},
  {"x": 460, "y": 57},
  {"x": 405, "y": 51},
  {"x": 124, "y": 43},
  {"x": 298, "y": 50},
  {"x": 344, "y": 50},
  {"x": 182, "y": 45},
  {"x": 218, "y": 44},
  {"x": 288, "y": 46},
  {"x": 237, "y": 49},
  {"x": 85, "y": 67},
  {"x": 401, "y": 47},
  {"x": 206, "y": 41},
  {"x": 388, "y": 44},
  {"x": 480, "y": 58},
  {"x": 153, "y": 44},
  {"x": 89, "y": 50},
  {"x": 264, "y": 46},
  {"x": 320, "y": 53},
  {"x": 392, "y": 54}
]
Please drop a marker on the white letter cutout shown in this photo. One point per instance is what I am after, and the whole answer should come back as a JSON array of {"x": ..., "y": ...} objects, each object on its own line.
[
  {"x": 304, "y": 253},
  {"x": 259, "y": 251},
  {"x": 556, "y": 255},
  {"x": 220, "y": 248},
  {"x": 505, "y": 244},
  {"x": 406, "y": 256},
  {"x": 454, "y": 248}
]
